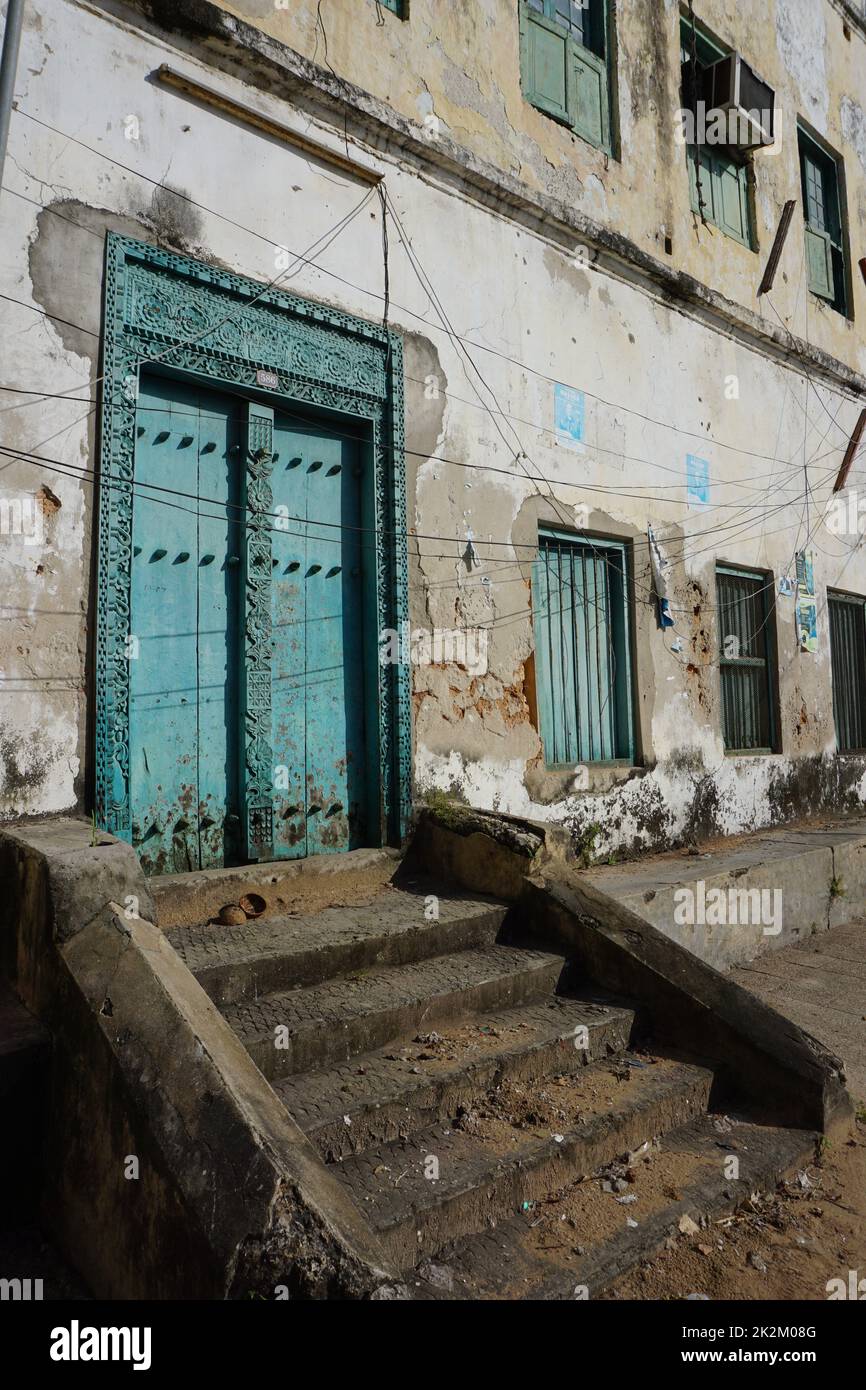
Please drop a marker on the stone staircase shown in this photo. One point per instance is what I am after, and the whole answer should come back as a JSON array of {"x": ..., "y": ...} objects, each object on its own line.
[{"x": 508, "y": 1131}]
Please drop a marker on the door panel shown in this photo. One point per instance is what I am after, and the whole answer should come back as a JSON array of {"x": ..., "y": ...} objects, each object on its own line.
[
  {"x": 188, "y": 611},
  {"x": 288, "y": 481},
  {"x": 183, "y": 676},
  {"x": 318, "y": 687}
]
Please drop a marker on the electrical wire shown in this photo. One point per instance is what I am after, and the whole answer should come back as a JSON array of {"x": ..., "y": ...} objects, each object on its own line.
[{"x": 666, "y": 425}]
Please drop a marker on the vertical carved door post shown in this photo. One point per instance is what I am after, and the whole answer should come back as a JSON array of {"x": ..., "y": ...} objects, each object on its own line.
[{"x": 257, "y": 754}]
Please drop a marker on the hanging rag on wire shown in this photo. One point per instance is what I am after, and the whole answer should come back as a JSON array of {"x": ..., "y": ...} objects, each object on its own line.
[{"x": 659, "y": 565}]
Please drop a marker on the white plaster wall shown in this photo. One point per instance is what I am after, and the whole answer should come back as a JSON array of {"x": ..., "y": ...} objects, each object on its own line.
[{"x": 529, "y": 315}]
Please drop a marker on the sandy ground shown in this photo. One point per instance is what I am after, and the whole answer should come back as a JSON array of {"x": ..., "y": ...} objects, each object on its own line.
[
  {"x": 786, "y": 1245},
  {"x": 789, "y": 1244}
]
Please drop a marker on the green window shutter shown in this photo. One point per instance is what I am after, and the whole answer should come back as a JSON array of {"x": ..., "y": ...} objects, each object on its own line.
[
  {"x": 544, "y": 55},
  {"x": 826, "y": 257},
  {"x": 691, "y": 160},
  {"x": 725, "y": 186},
  {"x": 395, "y": 5},
  {"x": 588, "y": 99},
  {"x": 819, "y": 259},
  {"x": 562, "y": 64},
  {"x": 733, "y": 205},
  {"x": 709, "y": 183}
]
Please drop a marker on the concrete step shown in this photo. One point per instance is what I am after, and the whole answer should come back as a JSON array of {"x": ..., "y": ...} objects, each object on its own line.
[
  {"x": 336, "y": 1020},
  {"x": 305, "y": 885},
  {"x": 278, "y": 951},
  {"x": 24, "y": 1056},
  {"x": 521, "y": 1144},
  {"x": 390, "y": 1093},
  {"x": 578, "y": 1242}
]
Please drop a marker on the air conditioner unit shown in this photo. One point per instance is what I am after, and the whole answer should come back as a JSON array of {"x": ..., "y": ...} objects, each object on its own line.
[{"x": 730, "y": 87}]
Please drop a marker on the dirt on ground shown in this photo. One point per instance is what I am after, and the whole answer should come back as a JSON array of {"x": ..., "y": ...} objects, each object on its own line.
[{"x": 786, "y": 1245}]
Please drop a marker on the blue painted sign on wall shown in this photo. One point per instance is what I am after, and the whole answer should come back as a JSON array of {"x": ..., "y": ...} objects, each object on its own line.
[
  {"x": 697, "y": 481},
  {"x": 569, "y": 415}
]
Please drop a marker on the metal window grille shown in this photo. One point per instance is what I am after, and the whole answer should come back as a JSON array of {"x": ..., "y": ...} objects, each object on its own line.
[
  {"x": 583, "y": 660},
  {"x": 848, "y": 655},
  {"x": 744, "y": 616}
]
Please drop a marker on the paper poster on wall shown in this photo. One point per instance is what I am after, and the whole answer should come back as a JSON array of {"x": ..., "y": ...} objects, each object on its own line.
[
  {"x": 697, "y": 481},
  {"x": 569, "y": 413},
  {"x": 807, "y": 608}
]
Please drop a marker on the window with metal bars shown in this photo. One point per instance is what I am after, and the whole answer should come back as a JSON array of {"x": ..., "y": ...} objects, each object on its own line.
[
  {"x": 582, "y": 650},
  {"x": 848, "y": 657},
  {"x": 746, "y": 645}
]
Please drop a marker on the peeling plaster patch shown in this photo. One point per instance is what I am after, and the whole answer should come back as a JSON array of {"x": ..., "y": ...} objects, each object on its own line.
[
  {"x": 464, "y": 93},
  {"x": 767, "y": 204},
  {"x": 595, "y": 197},
  {"x": 678, "y": 802},
  {"x": 560, "y": 267},
  {"x": 854, "y": 127},
  {"x": 257, "y": 9},
  {"x": 66, "y": 265},
  {"x": 48, "y": 501},
  {"x": 801, "y": 32}
]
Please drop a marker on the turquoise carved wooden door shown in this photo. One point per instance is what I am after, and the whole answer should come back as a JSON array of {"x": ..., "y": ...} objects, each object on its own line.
[
  {"x": 184, "y": 641},
  {"x": 248, "y": 682},
  {"x": 318, "y": 685}
]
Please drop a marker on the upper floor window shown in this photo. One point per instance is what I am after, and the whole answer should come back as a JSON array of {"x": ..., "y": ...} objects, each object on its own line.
[
  {"x": 718, "y": 177},
  {"x": 822, "y": 210},
  {"x": 397, "y": 6},
  {"x": 564, "y": 61}
]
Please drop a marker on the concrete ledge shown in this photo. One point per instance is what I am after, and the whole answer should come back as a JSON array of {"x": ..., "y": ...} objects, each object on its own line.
[
  {"x": 820, "y": 876},
  {"x": 481, "y": 850},
  {"x": 788, "y": 1077},
  {"x": 53, "y": 880},
  {"x": 848, "y": 885}
]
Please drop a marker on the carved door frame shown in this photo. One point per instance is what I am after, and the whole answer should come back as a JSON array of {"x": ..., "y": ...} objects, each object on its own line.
[{"x": 222, "y": 329}]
